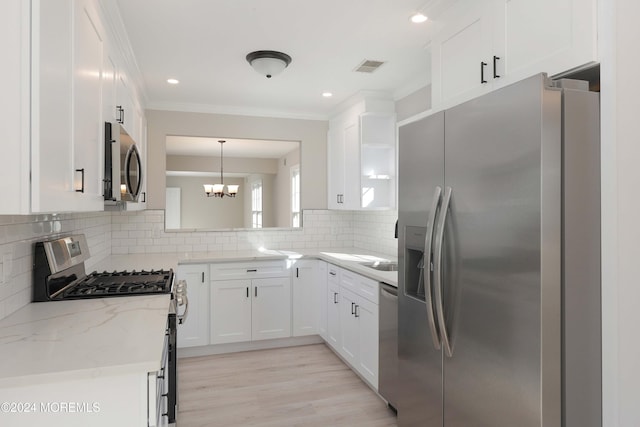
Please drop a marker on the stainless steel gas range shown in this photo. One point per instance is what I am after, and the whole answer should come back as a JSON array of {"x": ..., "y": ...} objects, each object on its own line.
[{"x": 59, "y": 274}]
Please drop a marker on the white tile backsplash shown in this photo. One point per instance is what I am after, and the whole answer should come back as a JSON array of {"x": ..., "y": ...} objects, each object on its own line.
[
  {"x": 143, "y": 232},
  {"x": 17, "y": 237}
]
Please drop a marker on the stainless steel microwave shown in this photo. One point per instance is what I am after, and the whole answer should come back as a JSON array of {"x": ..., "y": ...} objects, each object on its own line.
[{"x": 122, "y": 166}]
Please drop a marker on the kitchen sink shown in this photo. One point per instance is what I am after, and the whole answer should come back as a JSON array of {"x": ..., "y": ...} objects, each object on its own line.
[{"x": 382, "y": 266}]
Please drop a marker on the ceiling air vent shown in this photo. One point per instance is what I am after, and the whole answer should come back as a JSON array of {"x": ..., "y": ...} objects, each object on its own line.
[{"x": 368, "y": 66}]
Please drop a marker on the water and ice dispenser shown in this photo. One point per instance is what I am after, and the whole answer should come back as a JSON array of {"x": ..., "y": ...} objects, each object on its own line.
[{"x": 414, "y": 264}]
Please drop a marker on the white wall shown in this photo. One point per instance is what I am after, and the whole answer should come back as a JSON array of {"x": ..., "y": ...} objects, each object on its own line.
[
  {"x": 18, "y": 235},
  {"x": 414, "y": 103},
  {"x": 618, "y": 36},
  {"x": 311, "y": 133}
]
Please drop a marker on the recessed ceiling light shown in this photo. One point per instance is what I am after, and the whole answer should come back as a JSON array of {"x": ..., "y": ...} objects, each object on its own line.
[
  {"x": 327, "y": 94},
  {"x": 173, "y": 81},
  {"x": 418, "y": 18}
]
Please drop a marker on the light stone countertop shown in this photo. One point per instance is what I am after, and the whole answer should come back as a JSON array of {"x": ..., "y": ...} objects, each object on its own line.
[
  {"x": 349, "y": 258},
  {"x": 62, "y": 340},
  {"x": 67, "y": 340}
]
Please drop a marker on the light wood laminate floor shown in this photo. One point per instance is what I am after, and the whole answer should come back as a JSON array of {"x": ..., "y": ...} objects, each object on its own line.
[{"x": 287, "y": 387}]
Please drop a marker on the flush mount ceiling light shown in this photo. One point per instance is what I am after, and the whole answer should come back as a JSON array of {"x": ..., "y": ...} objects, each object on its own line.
[
  {"x": 327, "y": 94},
  {"x": 217, "y": 190},
  {"x": 173, "y": 81},
  {"x": 418, "y": 18},
  {"x": 268, "y": 62}
]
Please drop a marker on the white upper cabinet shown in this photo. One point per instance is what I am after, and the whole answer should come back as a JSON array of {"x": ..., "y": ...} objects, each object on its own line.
[
  {"x": 59, "y": 84},
  {"x": 487, "y": 44},
  {"x": 361, "y": 157},
  {"x": 109, "y": 86},
  {"x": 460, "y": 54},
  {"x": 88, "y": 128},
  {"x": 14, "y": 106},
  {"x": 377, "y": 160},
  {"x": 51, "y": 139},
  {"x": 547, "y": 35},
  {"x": 66, "y": 107},
  {"x": 343, "y": 155}
]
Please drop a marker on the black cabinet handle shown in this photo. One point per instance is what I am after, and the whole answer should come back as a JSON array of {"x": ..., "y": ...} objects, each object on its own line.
[
  {"x": 252, "y": 270},
  {"x": 333, "y": 273},
  {"x": 247, "y": 292},
  {"x": 120, "y": 112},
  {"x": 297, "y": 272},
  {"x": 495, "y": 67},
  {"x": 203, "y": 277},
  {"x": 81, "y": 190},
  {"x": 357, "y": 314},
  {"x": 255, "y": 291},
  {"x": 144, "y": 197},
  {"x": 482, "y": 65},
  {"x": 352, "y": 308},
  {"x": 337, "y": 198},
  {"x": 335, "y": 298}
]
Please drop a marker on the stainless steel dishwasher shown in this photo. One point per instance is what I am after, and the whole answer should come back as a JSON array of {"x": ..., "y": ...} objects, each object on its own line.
[{"x": 388, "y": 341}]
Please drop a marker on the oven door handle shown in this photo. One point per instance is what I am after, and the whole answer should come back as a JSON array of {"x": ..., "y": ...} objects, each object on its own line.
[{"x": 183, "y": 300}]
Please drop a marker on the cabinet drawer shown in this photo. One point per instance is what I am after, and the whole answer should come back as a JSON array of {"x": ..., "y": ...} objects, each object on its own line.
[
  {"x": 362, "y": 286},
  {"x": 249, "y": 270}
]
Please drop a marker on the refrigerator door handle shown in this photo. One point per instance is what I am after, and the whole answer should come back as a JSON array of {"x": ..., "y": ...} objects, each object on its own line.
[
  {"x": 426, "y": 267},
  {"x": 437, "y": 272}
]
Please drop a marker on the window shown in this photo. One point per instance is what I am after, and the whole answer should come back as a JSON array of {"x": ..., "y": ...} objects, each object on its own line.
[
  {"x": 256, "y": 204},
  {"x": 295, "y": 196}
]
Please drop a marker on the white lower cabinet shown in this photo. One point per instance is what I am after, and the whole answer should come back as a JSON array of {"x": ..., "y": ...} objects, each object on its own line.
[
  {"x": 349, "y": 333},
  {"x": 322, "y": 295},
  {"x": 306, "y": 295},
  {"x": 359, "y": 334},
  {"x": 195, "y": 330},
  {"x": 333, "y": 307},
  {"x": 249, "y": 309},
  {"x": 352, "y": 321},
  {"x": 250, "y": 301},
  {"x": 366, "y": 314},
  {"x": 271, "y": 308},
  {"x": 230, "y": 311}
]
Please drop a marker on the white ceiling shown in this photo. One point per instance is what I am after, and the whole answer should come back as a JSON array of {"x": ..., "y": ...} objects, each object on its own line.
[
  {"x": 203, "y": 43},
  {"x": 254, "y": 148}
]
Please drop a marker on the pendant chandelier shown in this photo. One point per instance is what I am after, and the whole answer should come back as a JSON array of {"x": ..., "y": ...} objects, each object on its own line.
[{"x": 218, "y": 190}]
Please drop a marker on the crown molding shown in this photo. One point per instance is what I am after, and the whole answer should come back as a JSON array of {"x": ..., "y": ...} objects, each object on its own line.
[{"x": 235, "y": 111}]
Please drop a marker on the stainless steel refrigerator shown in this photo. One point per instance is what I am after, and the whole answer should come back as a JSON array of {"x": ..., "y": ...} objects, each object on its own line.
[{"x": 499, "y": 261}]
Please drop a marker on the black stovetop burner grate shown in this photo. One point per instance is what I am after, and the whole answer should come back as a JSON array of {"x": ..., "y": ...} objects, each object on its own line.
[{"x": 120, "y": 283}]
